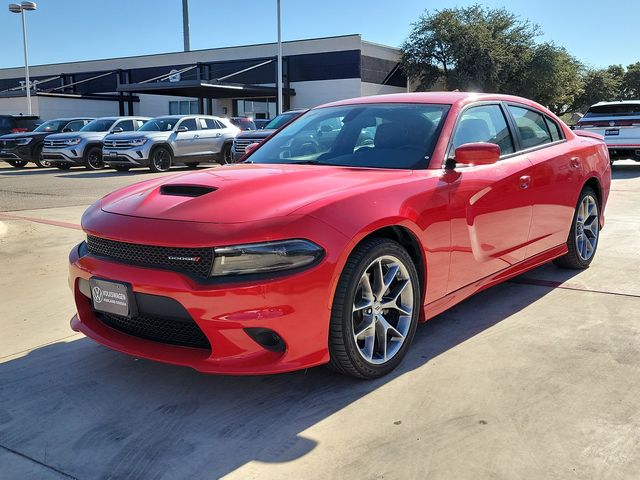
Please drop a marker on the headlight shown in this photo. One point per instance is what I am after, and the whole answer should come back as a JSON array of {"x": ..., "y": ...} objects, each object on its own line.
[
  {"x": 136, "y": 142},
  {"x": 24, "y": 141},
  {"x": 73, "y": 141},
  {"x": 264, "y": 257}
]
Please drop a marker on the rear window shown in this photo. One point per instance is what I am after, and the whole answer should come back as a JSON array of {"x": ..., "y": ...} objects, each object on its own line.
[
  {"x": 616, "y": 110},
  {"x": 531, "y": 125}
]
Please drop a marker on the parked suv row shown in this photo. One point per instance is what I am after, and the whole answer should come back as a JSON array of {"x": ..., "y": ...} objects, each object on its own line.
[
  {"x": 165, "y": 141},
  {"x": 18, "y": 149}
]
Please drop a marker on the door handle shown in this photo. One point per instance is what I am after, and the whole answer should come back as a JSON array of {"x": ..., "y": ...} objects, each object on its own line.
[
  {"x": 575, "y": 162},
  {"x": 525, "y": 181},
  {"x": 196, "y": 136},
  {"x": 218, "y": 134}
]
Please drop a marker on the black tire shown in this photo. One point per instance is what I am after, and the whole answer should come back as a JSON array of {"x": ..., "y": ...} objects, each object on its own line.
[
  {"x": 192, "y": 164},
  {"x": 161, "y": 160},
  {"x": 63, "y": 166},
  {"x": 93, "y": 159},
  {"x": 573, "y": 258},
  {"x": 37, "y": 158},
  {"x": 122, "y": 168},
  {"x": 345, "y": 356},
  {"x": 227, "y": 157},
  {"x": 17, "y": 163}
]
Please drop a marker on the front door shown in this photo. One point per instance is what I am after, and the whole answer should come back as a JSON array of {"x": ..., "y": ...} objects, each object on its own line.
[{"x": 490, "y": 208}]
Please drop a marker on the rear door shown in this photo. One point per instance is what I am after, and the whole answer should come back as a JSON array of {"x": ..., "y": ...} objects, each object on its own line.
[
  {"x": 554, "y": 177},
  {"x": 490, "y": 206},
  {"x": 211, "y": 138},
  {"x": 187, "y": 142}
]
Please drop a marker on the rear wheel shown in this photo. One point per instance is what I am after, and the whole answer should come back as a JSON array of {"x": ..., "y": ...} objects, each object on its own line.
[
  {"x": 584, "y": 234},
  {"x": 38, "y": 160},
  {"x": 93, "y": 159},
  {"x": 227, "y": 156},
  {"x": 375, "y": 310},
  {"x": 122, "y": 168},
  {"x": 17, "y": 163},
  {"x": 161, "y": 160}
]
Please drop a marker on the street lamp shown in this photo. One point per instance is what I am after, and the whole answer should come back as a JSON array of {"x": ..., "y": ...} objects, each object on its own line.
[{"x": 21, "y": 8}]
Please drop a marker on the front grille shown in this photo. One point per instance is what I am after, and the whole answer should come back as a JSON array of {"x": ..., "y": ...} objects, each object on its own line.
[
  {"x": 55, "y": 143},
  {"x": 241, "y": 144},
  {"x": 193, "y": 261},
  {"x": 118, "y": 144},
  {"x": 183, "y": 332}
]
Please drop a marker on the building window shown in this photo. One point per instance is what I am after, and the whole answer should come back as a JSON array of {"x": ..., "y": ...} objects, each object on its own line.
[{"x": 183, "y": 107}]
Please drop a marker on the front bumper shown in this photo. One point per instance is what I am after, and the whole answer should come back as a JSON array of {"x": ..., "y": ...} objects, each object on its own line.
[
  {"x": 297, "y": 307},
  {"x": 16, "y": 154},
  {"x": 73, "y": 155},
  {"x": 134, "y": 157}
]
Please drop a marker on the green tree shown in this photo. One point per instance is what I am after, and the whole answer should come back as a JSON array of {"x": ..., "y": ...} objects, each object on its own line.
[
  {"x": 553, "y": 77},
  {"x": 602, "y": 85},
  {"x": 471, "y": 48},
  {"x": 631, "y": 82}
]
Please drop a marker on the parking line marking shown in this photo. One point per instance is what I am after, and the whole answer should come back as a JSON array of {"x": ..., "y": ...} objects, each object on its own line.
[
  {"x": 567, "y": 286},
  {"x": 55, "y": 223}
]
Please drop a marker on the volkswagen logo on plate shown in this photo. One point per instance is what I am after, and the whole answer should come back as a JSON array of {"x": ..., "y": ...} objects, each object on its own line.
[{"x": 97, "y": 294}]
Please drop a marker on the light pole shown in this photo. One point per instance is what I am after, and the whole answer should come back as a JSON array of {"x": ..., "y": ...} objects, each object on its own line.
[
  {"x": 279, "y": 110},
  {"x": 21, "y": 8}
]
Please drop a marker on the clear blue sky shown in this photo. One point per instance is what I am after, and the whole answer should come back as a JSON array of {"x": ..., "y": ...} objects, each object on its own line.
[{"x": 598, "y": 32}]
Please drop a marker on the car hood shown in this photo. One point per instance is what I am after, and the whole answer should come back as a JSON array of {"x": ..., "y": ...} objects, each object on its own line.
[
  {"x": 244, "y": 193},
  {"x": 131, "y": 135},
  {"x": 255, "y": 134},
  {"x": 16, "y": 136},
  {"x": 83, "y": 135}
]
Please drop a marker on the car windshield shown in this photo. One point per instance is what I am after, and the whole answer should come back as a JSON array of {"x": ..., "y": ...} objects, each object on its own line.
[
  {"x": 162, "y": 124},
  {"x": 280, "y": 120},
  {"x": 614, "y": 110},
  {"x": 370, "y": 135},
  {"x": 51, "y": 126},
  {"x": 98, "y": 125},
  {"x": 243, "y": 123}
]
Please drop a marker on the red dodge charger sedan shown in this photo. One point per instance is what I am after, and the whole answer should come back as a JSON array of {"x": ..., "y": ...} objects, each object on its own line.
[{"x": 333, "y": 239}]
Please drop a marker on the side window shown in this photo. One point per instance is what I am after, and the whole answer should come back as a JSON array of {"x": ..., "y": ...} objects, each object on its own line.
[
  {"x": 139, "y": 123},
  {"x": 190, "y": 123},
  {"x": 125, "y": 125},
  {"x": 556, "y": 133},
  {"x": 75, "y": 126},
  {"x": 484, "y": 123},
  {"x": 209, "y": 124},
  {"x": 531, "y": 126}
]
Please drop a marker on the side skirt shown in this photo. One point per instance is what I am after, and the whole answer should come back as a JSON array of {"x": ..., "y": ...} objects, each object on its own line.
[{"x": 437, "y": 307}]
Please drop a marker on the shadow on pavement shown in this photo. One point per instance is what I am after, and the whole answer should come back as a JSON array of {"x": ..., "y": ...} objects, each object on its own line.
[
  {"x": 624, "y": 172},
  {"x": 95, "y": 413}
]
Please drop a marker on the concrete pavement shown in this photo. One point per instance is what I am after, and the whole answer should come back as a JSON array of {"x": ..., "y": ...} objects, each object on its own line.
[{"x": 536, "y": 378}]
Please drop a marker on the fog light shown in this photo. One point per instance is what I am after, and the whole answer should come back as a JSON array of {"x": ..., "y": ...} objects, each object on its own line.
[{"x": 266, "y": 338}]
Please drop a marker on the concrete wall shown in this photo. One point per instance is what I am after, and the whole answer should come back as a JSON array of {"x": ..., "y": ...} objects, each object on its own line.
[
  {"x": 312, "y": 94},
  {"x": 70, "y": 107},
  {"x": 376, "y": 89},
  {"x": 17, "y": 105}
]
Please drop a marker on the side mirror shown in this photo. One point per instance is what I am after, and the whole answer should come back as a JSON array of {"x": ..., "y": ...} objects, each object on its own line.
[
  {"x": 250, "y": 148},
  {"x": 182, "y": 129},
  {"x": 117, "y": 130},
  {"x": 477, "y": 153}
]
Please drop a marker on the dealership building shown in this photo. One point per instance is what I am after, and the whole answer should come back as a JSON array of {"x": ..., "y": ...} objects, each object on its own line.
[{"x": 232, "y": 81}]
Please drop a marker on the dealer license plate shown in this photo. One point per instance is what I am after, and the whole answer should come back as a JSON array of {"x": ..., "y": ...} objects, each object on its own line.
[{"x": 112, "y": 297}]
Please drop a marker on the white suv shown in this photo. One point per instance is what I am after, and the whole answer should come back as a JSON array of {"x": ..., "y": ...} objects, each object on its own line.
[
  {"x": 619, "y": 124},
  {"x": 164, "y": 141}
]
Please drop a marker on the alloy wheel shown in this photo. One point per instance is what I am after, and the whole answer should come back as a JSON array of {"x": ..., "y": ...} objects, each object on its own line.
[
  {"x": 94, "y": 160},
  {"x": 382, "y": 309},
  {"x": 587, "y": 228},
  {"x": 162, "y": 160}
]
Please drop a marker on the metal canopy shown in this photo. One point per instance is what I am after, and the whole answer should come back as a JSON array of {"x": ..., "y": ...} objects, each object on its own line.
[{"x": 203, "y": 89}]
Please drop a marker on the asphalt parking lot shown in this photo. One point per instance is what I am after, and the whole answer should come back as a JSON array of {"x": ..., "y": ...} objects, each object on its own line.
[{"x": 536, "y": 378}]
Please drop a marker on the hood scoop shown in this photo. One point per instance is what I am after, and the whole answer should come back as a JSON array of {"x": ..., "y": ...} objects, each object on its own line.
[{"x": 186, "y": 190}]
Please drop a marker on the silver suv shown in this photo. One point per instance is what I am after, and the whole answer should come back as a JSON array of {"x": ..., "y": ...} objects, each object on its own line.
[
  {"x": 165, "y": 141},
  {"x": 65, "y": 150}
]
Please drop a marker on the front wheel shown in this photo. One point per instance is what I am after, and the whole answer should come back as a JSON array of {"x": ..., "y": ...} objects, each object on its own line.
[
  {"x": 38, "y": 160},
  {"x": 584, "y": 234},
  {"x": 375, "y": 310},
  {"x": 227, "y": 156},
  {"x": 93, "y": 160},
  {"x": 17, "y": 163},
  {"x": 161, "y": 160}
]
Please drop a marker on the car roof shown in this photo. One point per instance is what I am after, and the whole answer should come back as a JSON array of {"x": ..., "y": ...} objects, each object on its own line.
[
  {"x": 621, "y": 102},
  {"x": 69, "y": 119},
  {"x": 443, "y": 98}
]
